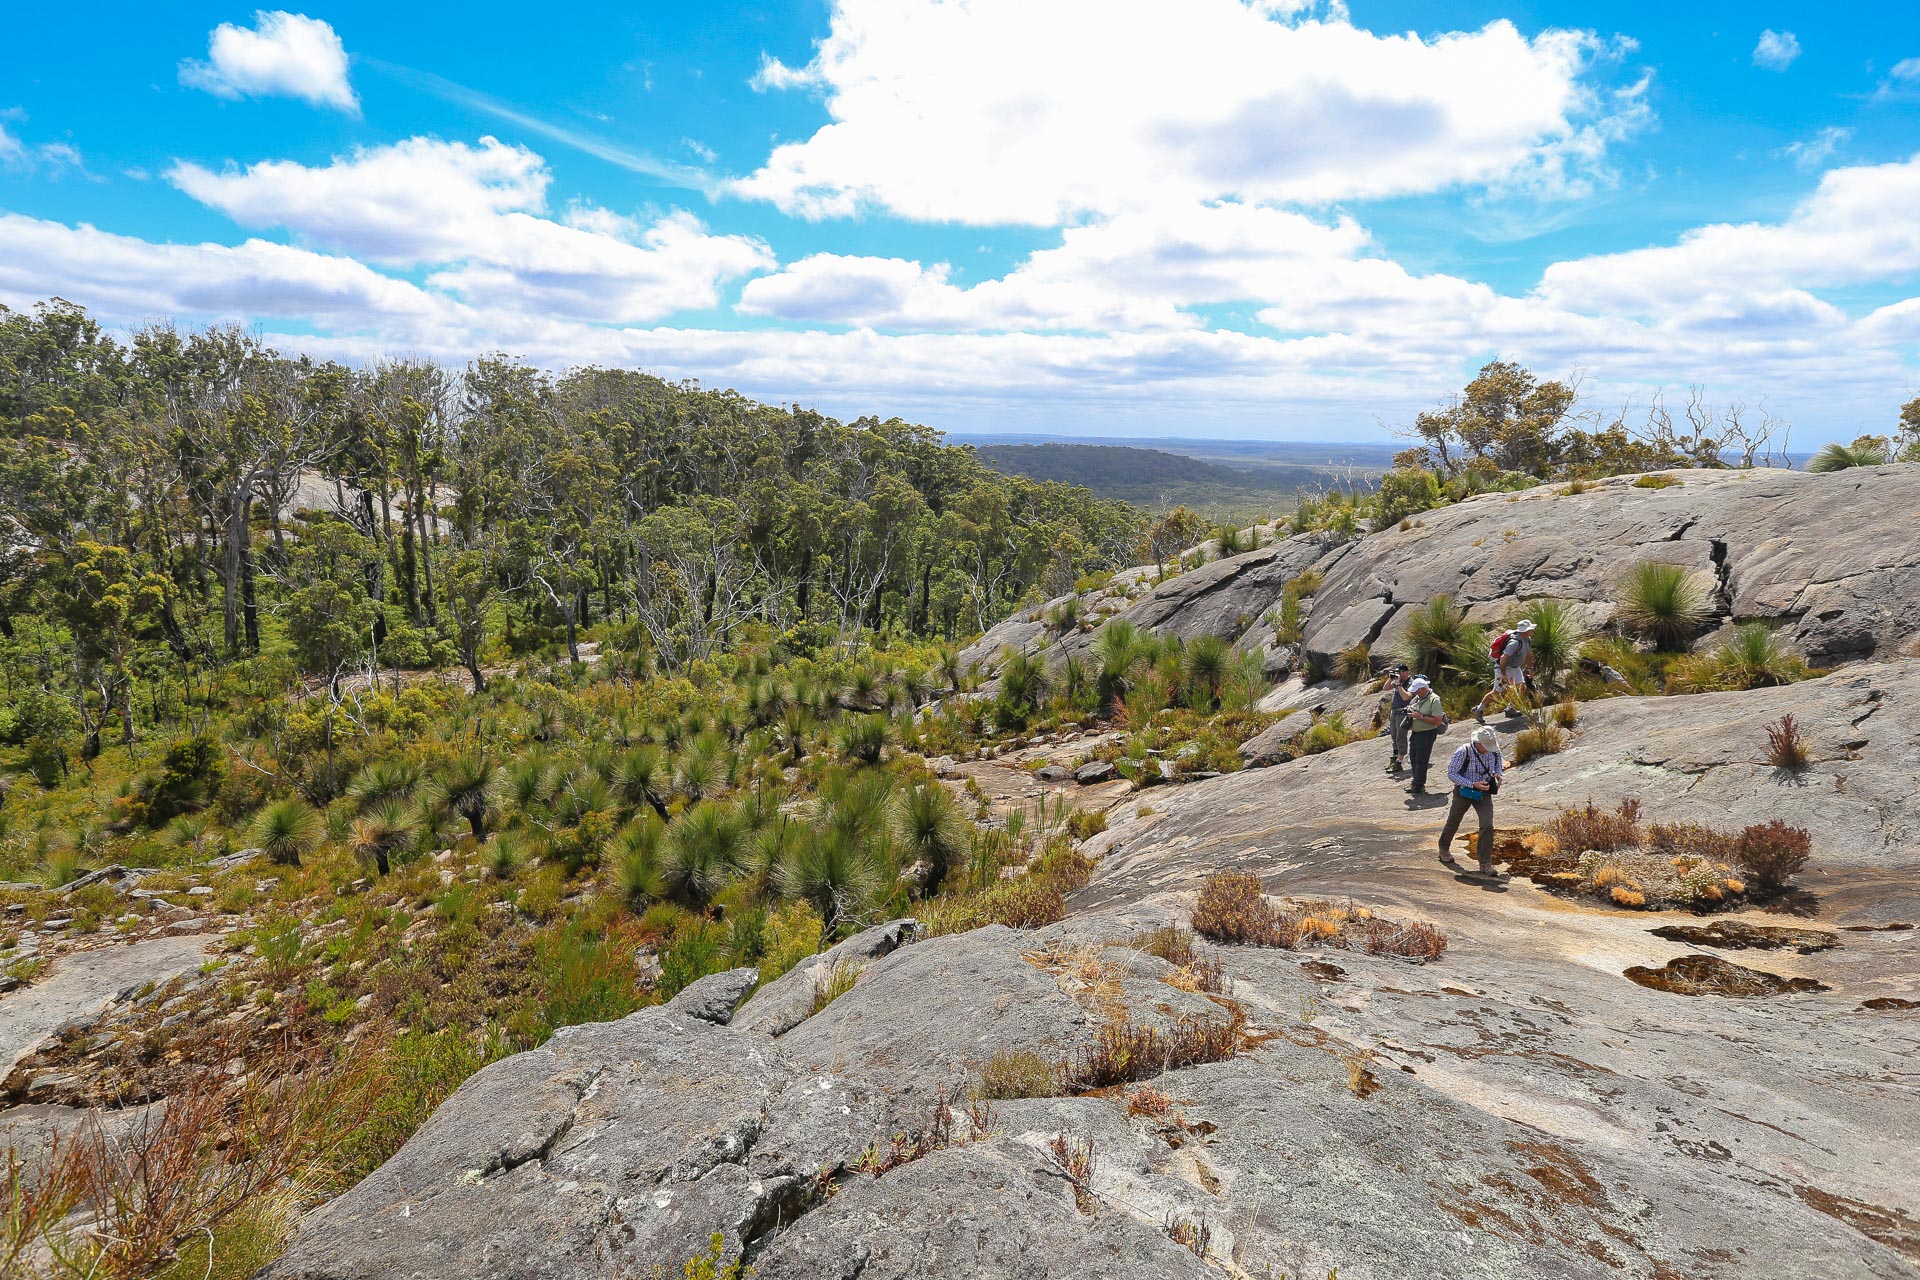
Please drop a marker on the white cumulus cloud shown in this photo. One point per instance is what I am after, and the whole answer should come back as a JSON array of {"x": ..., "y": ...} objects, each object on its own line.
[
  {"x": 1856, "y": 227},
  {"x": 478, "y": 216},
  {"x": 1776, "y": 50},
  {"x": 1040, "y": 111},
  {"x": 282, "y": 55}
]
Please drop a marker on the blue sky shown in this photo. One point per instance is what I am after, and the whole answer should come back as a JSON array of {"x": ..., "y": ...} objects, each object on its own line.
[{"x": 1277, "y": 218}]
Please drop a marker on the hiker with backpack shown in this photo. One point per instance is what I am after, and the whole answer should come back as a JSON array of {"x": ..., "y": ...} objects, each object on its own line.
[
  {"x": 1397, "y": 698},
  {"x": 1428, "y": 719},
  {"x": 1512, "y": 665},
  {"x": 1475, "y": 772}
]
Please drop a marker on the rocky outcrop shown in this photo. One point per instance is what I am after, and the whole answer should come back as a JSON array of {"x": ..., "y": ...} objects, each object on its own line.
[
  {"x": 1834, "y": 559},
  {"x": 616, "y": 1146},
  {"x": 1228, "y": 598}
]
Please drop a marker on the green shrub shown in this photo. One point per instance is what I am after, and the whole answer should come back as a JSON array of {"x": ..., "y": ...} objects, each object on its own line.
[
  {"x": 700, "y": 949},
  {"x": 1326, "y": 733},
  {"x": 792, "y": 934}
]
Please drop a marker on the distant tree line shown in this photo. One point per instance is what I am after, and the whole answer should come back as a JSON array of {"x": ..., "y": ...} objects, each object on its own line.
[{"x": 163, "y": 494}]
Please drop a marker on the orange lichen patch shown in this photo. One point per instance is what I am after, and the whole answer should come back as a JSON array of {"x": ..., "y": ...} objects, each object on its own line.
[
  {"x": 1561, "y": 1173},
  {"x": 1893, "y": 1228}
]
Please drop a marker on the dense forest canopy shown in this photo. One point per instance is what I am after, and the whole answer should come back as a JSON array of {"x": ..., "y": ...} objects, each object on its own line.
[{"x": 162, "y": 493}]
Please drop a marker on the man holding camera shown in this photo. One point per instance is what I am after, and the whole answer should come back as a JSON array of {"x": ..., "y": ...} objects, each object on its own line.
[
  {"x": 1475, "y": 772},
  {"x": 1427, "y": 720},
  {"x": 1397, "y": 698}
]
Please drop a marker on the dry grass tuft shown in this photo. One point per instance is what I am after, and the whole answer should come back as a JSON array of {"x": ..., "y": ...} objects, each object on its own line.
[
  {"x": 1124, "y": 1051},
  {"x": 1232, "y": 908},
  {"x": 1019, "y": 1073},
  {"x": 1538, "y": 740}
]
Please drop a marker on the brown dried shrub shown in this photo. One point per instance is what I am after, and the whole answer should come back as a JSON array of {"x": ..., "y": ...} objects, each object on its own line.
[
  {"x": 1690, "y": 840},
  {"x": 1124, "y": 1051},
  {"x": 1786, "y": 747},
  {"x": 1590, "y": 827},
  {"x": 1773, "y": 852},
  {"x": 1232, "y": 908}
]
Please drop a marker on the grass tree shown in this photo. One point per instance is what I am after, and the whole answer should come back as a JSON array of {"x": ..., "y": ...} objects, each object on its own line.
[
  {"x": 1207, "y": 661},
  {"x": 1556, "y": 638},
  {"x": 388, "y": 778},
  {"x": 1439, "y": 640},
  {"x": 930, "y": 830},
  {"x": 1663, "y": 603},
  {"x": 382, "y": 830},
  {"x": 641, "y": 777},
  {"x": 702, "y": 769},
  {"x": 287, "y": 831},
  {"x": 636, "y": 850},
  {"x": 1117, "y": 648},
  {"x": 469, "y": 787},
  {"x": 1023, "y": 682},
  {"x": 834, "y": 872},
  {"x": 1867, "y": 451},
  {"x": 863, "y": 738},
  {"x": 702, "y": 849}
]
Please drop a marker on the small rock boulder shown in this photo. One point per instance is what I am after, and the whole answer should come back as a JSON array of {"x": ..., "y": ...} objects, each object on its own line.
[
  {"x": 787, "y": 1001},
  {"x": 715, "y": 997},
  {"x": 1271, "y": 745},
  {"x": 1093, "y": 772}
]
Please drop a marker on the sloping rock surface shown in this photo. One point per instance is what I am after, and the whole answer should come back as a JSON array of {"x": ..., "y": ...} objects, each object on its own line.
[{"x": 1517, "y": 1109}]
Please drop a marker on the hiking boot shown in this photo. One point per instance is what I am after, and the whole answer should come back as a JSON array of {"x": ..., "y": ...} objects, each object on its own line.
[{"x": 1479, "y": 715}]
